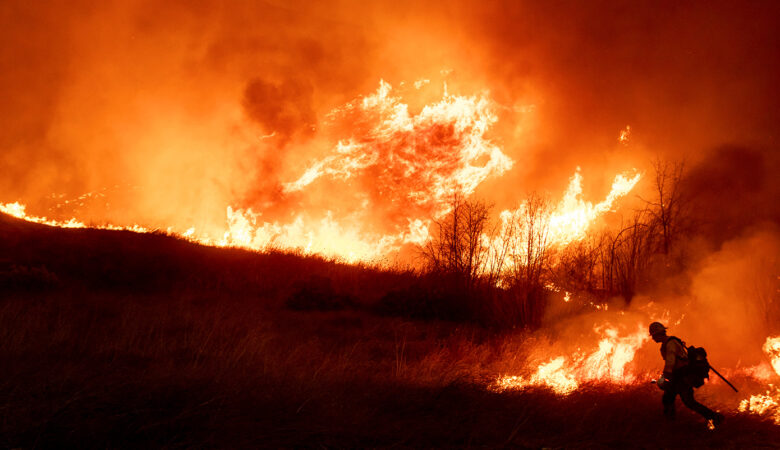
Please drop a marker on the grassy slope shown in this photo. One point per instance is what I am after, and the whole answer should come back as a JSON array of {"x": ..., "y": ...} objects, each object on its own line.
[{"x": 145, "y": 340}]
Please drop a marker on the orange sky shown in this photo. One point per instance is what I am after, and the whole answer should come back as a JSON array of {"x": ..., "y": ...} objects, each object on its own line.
[{"x": 193, "y": 106}]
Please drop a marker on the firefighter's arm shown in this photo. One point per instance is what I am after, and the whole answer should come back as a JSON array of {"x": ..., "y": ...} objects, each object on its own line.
[{"x": 671, "y": 358}]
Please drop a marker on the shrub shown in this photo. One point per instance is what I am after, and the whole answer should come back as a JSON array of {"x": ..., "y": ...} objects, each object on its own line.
[
  {"x": 432, "y": 296},
  {"x": 28, "y": 278},
  {"x": 318, "y": 293}
]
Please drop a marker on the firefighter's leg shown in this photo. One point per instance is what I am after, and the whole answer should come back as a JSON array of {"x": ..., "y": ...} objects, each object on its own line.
[
  {"x": 686, "y": 395},
  {"x": 668, "y": 400}
]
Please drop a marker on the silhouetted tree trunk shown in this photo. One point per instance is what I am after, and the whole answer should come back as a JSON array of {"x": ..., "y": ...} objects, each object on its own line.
[
  {"x": 528, "y": 234},
  {"x": 577, "y": 266},
  {"x": 630, "y": 253},
  {"x": 668, "y": 208},
  {"x": 457, "y": 247}
]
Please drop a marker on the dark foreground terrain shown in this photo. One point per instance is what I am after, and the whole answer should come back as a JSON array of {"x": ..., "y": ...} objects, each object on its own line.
[{"x": 115, "y": 339}]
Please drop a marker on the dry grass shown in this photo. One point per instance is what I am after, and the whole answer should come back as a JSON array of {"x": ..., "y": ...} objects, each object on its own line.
[{"x": 214, "y": 359}]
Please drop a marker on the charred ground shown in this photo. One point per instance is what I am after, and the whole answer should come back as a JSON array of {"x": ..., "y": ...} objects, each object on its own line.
[{"x": 118, "y": 339}]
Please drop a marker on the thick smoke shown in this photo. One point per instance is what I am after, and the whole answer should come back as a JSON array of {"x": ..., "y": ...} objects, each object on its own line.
[
  {"x": 734, "y": 188},
  {"x": 191, "y": 107},
  {"x": 735, "y": 302},
  {"x": 175, "y": 102},
  {"x": 686, "y": 78},
  {"x": 284, "y": 109}
]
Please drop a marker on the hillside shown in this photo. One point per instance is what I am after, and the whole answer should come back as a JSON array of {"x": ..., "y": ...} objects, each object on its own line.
[
  {"x": 154, "y": 262},
  {"x": 119, "y": 339}
]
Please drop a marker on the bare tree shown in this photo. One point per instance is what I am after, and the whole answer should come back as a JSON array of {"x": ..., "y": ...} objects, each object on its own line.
[
  {"x": 528, "y": 236},
  {"x": 536, "y": 223},
  {"x": 498, "y": 243},
  {"x": 629, "y": 255},
  {"x": 576, "y": 268},
  {"x": 617, "y": 262},
  {"x": 458, "y": 247},
  {"x": 606, "y": 263},
  {"x": 668, "y": 208}
]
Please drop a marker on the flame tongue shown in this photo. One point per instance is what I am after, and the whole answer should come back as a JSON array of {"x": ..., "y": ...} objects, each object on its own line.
[
  {"x": 17, "y": 210},
  {"x": 772, "y": 349},
  {"x": 412, "y": 161},
  {"x": 767, "y": 404},
  {"x": 397, "y": 170},
  {"x": 605, "y": 364},
  {"x": 573, "y": 215}
]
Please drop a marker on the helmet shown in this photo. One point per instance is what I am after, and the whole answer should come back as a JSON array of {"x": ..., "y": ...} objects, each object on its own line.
[{"x": 657, "y": 327}]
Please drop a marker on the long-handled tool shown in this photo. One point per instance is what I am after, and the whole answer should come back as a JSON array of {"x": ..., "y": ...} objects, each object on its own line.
[
  {"x": 716, "y": 373},
  {"x": 723, "y": 378}
]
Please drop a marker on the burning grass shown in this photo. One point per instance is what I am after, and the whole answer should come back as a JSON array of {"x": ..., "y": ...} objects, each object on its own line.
[
  {"x": 97, "y": 370},
  {"x": 217, "y": 359}
]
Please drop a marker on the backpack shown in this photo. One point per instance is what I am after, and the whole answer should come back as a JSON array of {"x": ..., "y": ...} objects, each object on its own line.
[{"x": 698, "y": 367}]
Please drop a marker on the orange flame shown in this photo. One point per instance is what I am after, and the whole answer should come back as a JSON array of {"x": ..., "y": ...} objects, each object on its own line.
[
  {"x": 772, "y": 349},
  {"x": 608, "y": 363},
  {"x": 17, "y": 210},
  {"x": 436, "y": 153},
  {"x": 625, "y": 135},
  {"x": 347, "y": 240},
  {"x": 408, "y": 164},
  {"x": 767, "y": 404},
  {"x": 568, "y": 221},
  {"x": 573, "y": 215}
]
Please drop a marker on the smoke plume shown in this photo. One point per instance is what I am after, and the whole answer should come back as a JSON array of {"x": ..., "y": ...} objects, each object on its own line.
[{"x": 175, "y": 112}]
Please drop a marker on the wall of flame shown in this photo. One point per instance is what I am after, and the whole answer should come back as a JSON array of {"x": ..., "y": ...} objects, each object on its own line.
[{"x": 342, "y": 128}]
